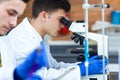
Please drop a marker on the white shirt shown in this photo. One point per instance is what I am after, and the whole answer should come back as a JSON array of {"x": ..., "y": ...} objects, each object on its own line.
[
  {"x": 7, "y": 61},
  {"x": 24, "y": 39}
]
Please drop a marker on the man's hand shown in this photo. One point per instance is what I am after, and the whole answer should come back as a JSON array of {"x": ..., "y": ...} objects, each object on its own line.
[
  {"x": 42, "y": 57},
  {"x": 95, "y": 66},
  {"x": 37, "y": 59}
]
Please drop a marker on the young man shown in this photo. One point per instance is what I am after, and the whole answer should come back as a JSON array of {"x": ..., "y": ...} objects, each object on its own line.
[
  {"x": 28, "y": 35},
  {"x": 10, "y": 10}
]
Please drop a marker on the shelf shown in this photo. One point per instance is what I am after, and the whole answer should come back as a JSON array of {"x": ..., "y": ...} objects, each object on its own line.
[{"x": 99, "y": 24}]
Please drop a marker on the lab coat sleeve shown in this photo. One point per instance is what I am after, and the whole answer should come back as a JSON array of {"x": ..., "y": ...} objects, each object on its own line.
[
  {"x": 70, "y": 73},
  {"x": 53, "y": 63},
  {"x": 57, "y": 65}
]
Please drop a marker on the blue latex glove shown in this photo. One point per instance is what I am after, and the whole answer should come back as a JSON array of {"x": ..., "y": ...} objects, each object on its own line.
[
  {"x": 38, "y": 57},
  {"x": 95, "y": 66},
  {"x": 42, "y": 57}
]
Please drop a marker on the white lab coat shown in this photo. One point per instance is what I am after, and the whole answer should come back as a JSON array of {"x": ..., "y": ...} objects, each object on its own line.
[
  {"x": 7, "y": 61},
  {"x": 70, "y": 73},
  {"x": 24, "y": 38}
]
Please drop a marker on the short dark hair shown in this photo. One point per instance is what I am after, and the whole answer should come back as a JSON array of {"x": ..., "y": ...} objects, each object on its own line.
[
  {"x": 49, "y": 6},
  {"x": 26, "y": 1}
]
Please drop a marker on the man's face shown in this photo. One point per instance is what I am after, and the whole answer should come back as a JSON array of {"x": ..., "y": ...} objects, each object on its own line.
[
  {"x": 53, "y": 25},
  {"x": 10, "y": 10}
]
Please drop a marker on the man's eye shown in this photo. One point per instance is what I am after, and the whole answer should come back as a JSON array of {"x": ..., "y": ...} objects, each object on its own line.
[{"x": 11, "y": 13}]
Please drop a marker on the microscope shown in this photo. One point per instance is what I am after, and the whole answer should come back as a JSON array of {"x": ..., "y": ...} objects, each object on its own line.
[{"x": 78, "y": 29}]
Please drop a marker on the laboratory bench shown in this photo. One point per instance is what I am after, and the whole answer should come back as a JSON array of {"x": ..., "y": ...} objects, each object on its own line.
[{"x": 63, "y": 53}]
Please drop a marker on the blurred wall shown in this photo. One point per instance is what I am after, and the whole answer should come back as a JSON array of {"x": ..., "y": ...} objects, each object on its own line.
[{"x": 77, "y": 13}]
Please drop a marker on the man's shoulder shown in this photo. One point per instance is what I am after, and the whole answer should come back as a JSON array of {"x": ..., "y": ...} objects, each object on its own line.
[{"x": 21, "y": 29}]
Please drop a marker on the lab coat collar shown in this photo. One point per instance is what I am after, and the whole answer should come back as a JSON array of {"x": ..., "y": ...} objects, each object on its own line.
[{"x": 27, "y": 22}]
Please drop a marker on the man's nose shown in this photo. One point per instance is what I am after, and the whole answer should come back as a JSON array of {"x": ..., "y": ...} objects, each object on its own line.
[{"x": 13, "y": 21}]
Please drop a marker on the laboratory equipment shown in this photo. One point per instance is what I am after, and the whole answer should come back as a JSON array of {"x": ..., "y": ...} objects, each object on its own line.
[{"x": 79, "y": 30}]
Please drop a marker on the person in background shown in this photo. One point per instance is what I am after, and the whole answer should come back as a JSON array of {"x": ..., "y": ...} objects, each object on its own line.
[
  {"x": 29, "y": 34},
  {"x": 10, "y": 10}
]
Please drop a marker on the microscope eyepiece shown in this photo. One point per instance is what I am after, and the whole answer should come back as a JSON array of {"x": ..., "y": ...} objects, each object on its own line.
[{"x": 65, "y": 22}]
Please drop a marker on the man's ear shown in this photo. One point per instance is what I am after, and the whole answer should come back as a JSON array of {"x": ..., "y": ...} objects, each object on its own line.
[{"x": 43, "y": 15}]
